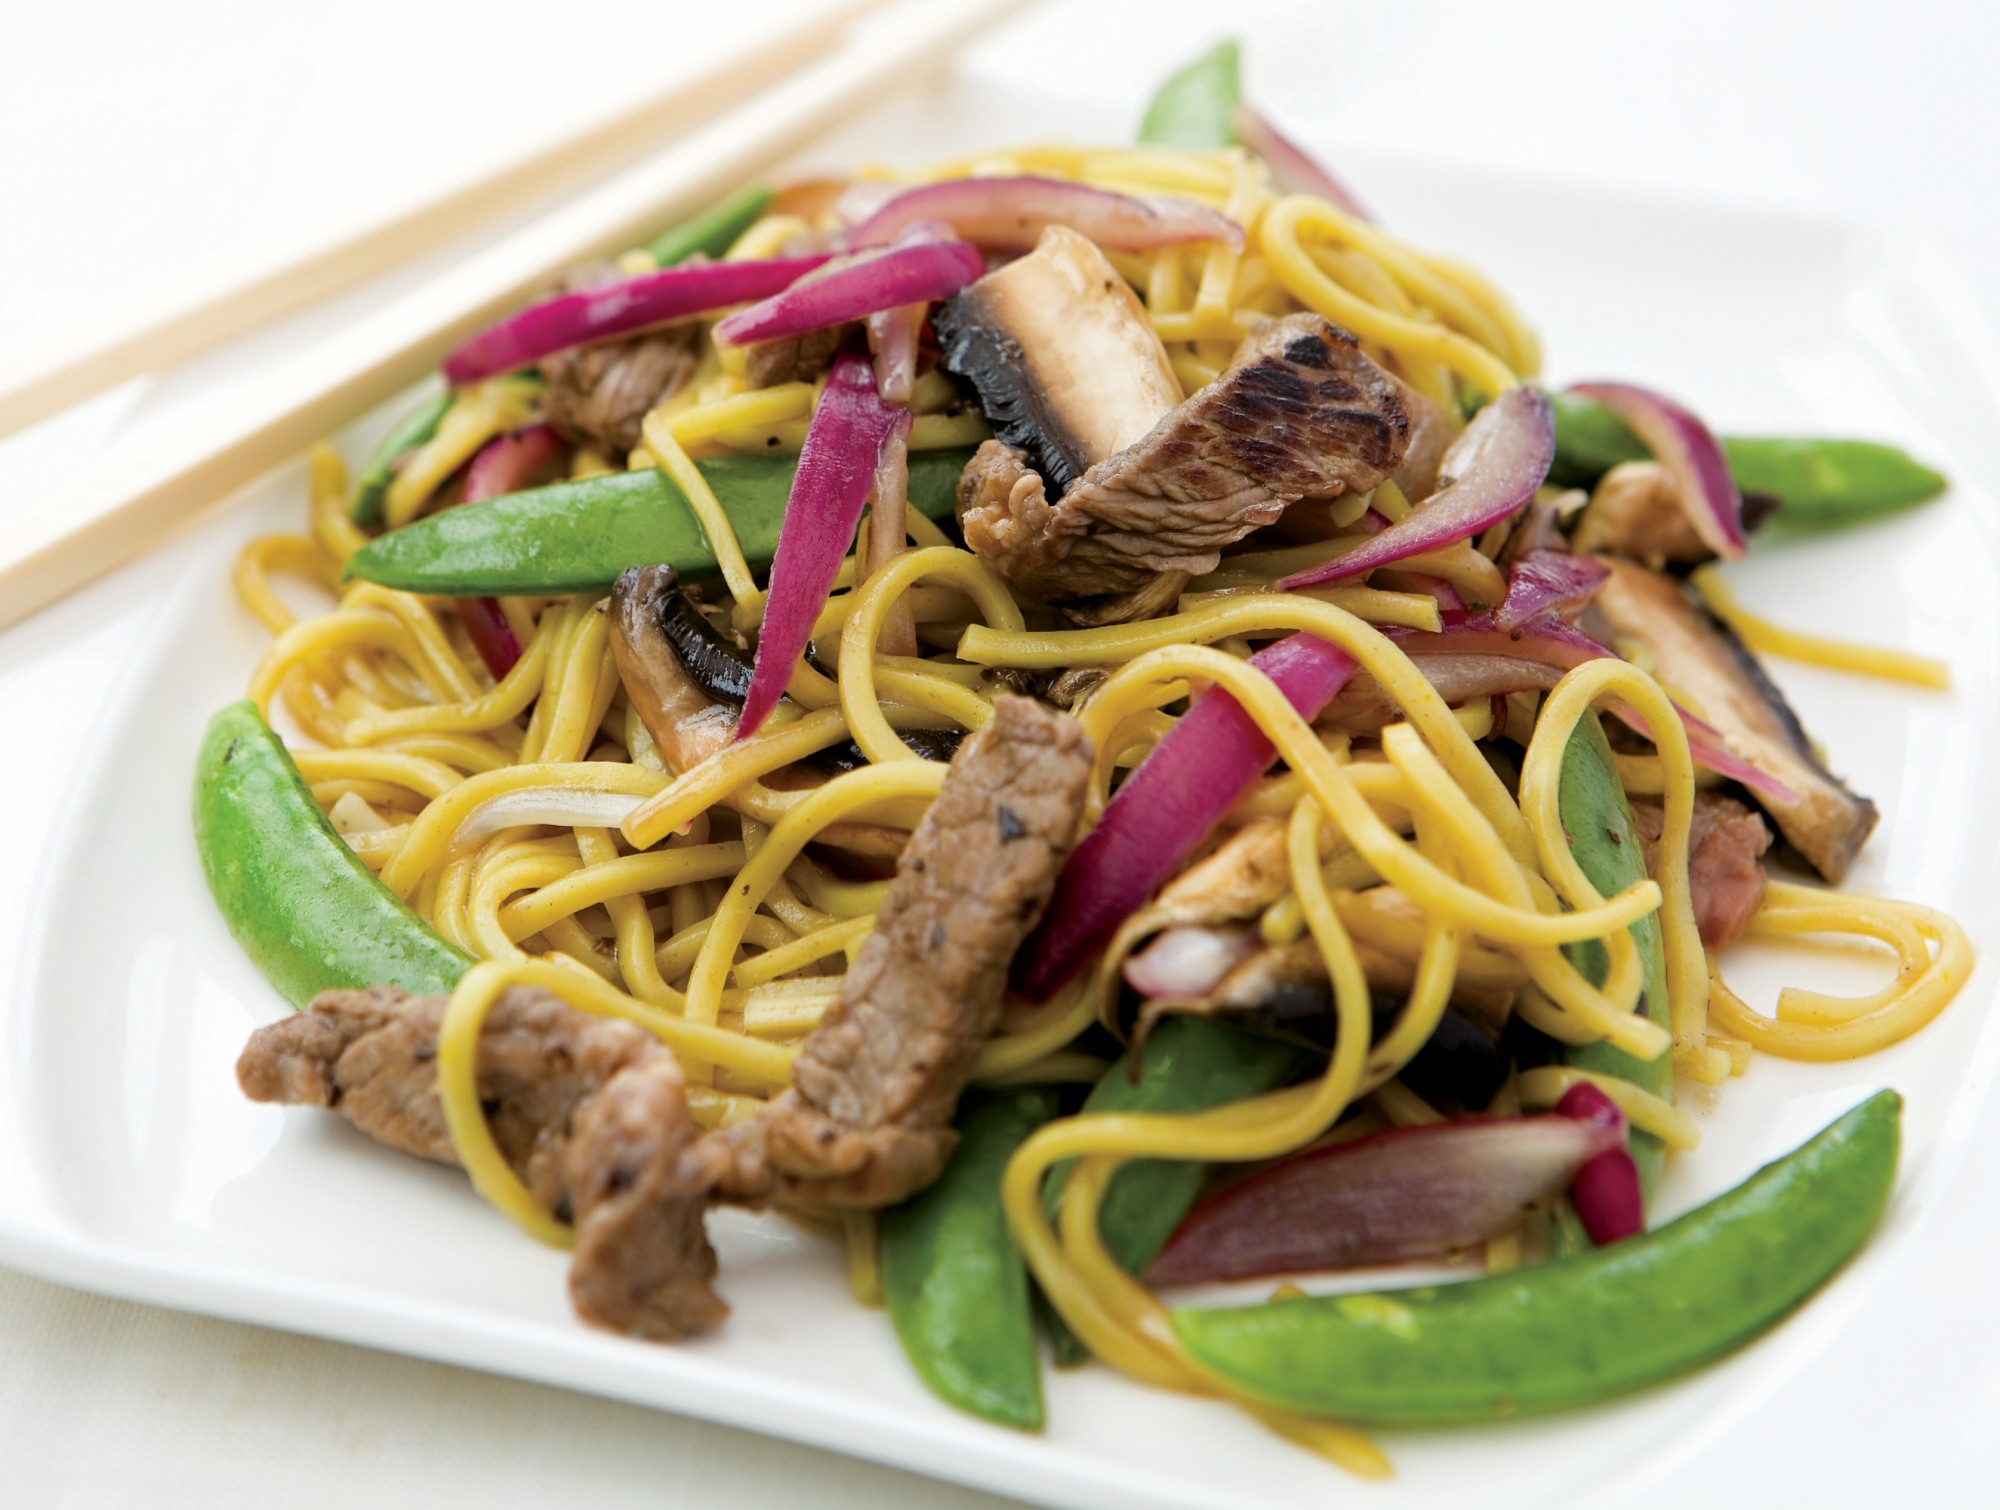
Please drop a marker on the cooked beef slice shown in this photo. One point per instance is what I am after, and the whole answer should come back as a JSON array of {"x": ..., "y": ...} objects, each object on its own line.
[{"x": 1301, "y": 413}]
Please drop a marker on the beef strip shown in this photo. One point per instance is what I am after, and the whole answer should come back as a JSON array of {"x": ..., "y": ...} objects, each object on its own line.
[
  {"x": 1301, "y": 413},
  {"x": 601, "y": 394},
  {"x": 640, "y": 1266},
  {"x": 868, "y": 1120},
  {"x": 1726, "y": 843},
  {"x": 588, "y": 1111},
  {"x": 793, "y": 359}
]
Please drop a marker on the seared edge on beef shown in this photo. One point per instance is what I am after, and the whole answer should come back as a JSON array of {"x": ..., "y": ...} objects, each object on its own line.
[{"x": 1301, "y": 413}]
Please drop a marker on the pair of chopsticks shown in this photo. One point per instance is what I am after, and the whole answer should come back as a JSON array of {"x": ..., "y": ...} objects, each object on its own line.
[{"x": 810, "y": 79}]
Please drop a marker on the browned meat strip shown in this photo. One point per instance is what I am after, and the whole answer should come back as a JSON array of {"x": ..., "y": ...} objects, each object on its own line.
[
  {"x": 371, "y": 1056},
  {"x": 794, "y": 359},
  {"x": 1301, "y": 413},
  {"x": 601, "y": 394},
  {"x": 868, "y": 1119},
  {"x": 1726, "y": 843},
  {"x": 1695, "y": 655},
  {"x": 642, "y": 1263},
  {"x": 587, "y": 1110}
]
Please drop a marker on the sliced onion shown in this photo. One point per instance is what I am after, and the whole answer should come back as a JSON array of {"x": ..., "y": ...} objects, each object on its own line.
[
  {"x": 913, "y": 274},
  {"x": 893, "y": 336},
  {"x": 1412, "y": 1192},
  {"x": 615, "y": 309},
  {"x": 1691, "y": 455},
  {"x": 557, "y": 806},
  {"x": 1184, "y": 964},
  {"x": 843, "y": 447},
  {"x": 1165, "y": 809},
  {"x": 1490, "y": 471},
  {"x": 1293, "y": 170},
  {"x": 1010, "y": 214},
  {"x": 506, "y": 464},
  {"x": 1606, "y": 1190},
  {"x": 1564, "y": 647},
  {"x": 1548, "y": 581},
  {"x": 491, "y": 635}
]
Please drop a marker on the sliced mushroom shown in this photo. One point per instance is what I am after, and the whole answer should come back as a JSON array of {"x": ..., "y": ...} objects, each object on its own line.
[
  {"x": 1065, "y": 362},
  {"x": 687, "y": 680},
  {"x": 689, "y": 718},
  {"x": 1694, "y": 654}
]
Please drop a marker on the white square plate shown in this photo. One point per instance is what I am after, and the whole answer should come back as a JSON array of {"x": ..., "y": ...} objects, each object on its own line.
[{"x": 129, "y": 1163}]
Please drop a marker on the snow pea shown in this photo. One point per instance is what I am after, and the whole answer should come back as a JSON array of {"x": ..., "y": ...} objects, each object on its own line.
[
  {"x": 414, "y": 429},
  {"x": 578, "y": 536},
  {"x": 954, "y": 1282},
  {"x": 1570, "y": 1333},
  {"x": 1821, "y": 482},
  {"x": 1190, "y": 1064},
  {"x": 713, "y": 231},
  {"x": 1193, "y": 108},
  {"x": 1598, "y": 822},
  {"x": 300, "y": 902}
]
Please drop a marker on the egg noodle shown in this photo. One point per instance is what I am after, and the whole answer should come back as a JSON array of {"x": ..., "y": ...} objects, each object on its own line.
[{"x": 695, "y": 909}]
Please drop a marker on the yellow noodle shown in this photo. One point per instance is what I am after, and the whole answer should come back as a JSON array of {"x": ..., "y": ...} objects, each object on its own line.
[{"x": 1775, "y": 639}]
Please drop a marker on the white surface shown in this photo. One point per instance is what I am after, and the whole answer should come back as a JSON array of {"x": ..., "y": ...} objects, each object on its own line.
[{"x": 156, "y": 138}]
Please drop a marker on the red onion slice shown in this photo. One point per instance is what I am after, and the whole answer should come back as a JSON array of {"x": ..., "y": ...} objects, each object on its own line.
[
  {"x": 843, "y": 446},
  {"x": 1292, "y": 169},
  {"x": 616, "y": 309},
  {"x": 1010, "y": 214},
  {"x": 1691, "y": 455},
  {"x": 1606, "y": 1190},
  {"x": 506, "y": 464},
  {"x": 914, "y": 274},
  {"x": 1548, "y": 581},
  {"x": 1164, "y": 811},
  {"x": 1412, "y": 1192},
  {"x": 1490, "y": 471},
  {"x": 1183, "y": 964}
]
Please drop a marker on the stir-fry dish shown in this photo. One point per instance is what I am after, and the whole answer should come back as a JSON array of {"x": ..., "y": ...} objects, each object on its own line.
[{"x": 1077, "y": 718}]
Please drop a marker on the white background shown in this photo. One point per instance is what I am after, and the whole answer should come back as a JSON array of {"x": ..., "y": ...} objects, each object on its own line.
[{"x": 138, "y": 139}]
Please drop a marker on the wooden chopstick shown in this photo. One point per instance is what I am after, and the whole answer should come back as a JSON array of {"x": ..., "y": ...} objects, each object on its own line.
[
  {"x": 221, "y": 300},
  {"x": 130, "y": 507}
]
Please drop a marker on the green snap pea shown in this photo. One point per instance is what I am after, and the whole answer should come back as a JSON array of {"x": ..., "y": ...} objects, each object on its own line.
[
  {"x": 300, "y": 902},
  {"x": 1195, "y": 107},
  {"x": 414, "y": 429},
  {"x": 578, "y": 536},
  {"x": 713, "y": 231},
  {"x": 954, "y": 1283},
  {"x": 1822, "y": 483},
  {"x": 1570, "y": 1333},
  {"x": 1598, "y": 822},
  {"x": 1190, "y": 1065}
]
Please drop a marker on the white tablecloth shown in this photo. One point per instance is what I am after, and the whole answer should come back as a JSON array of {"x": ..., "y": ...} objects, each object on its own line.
[{"x": 140, "y": 138}]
